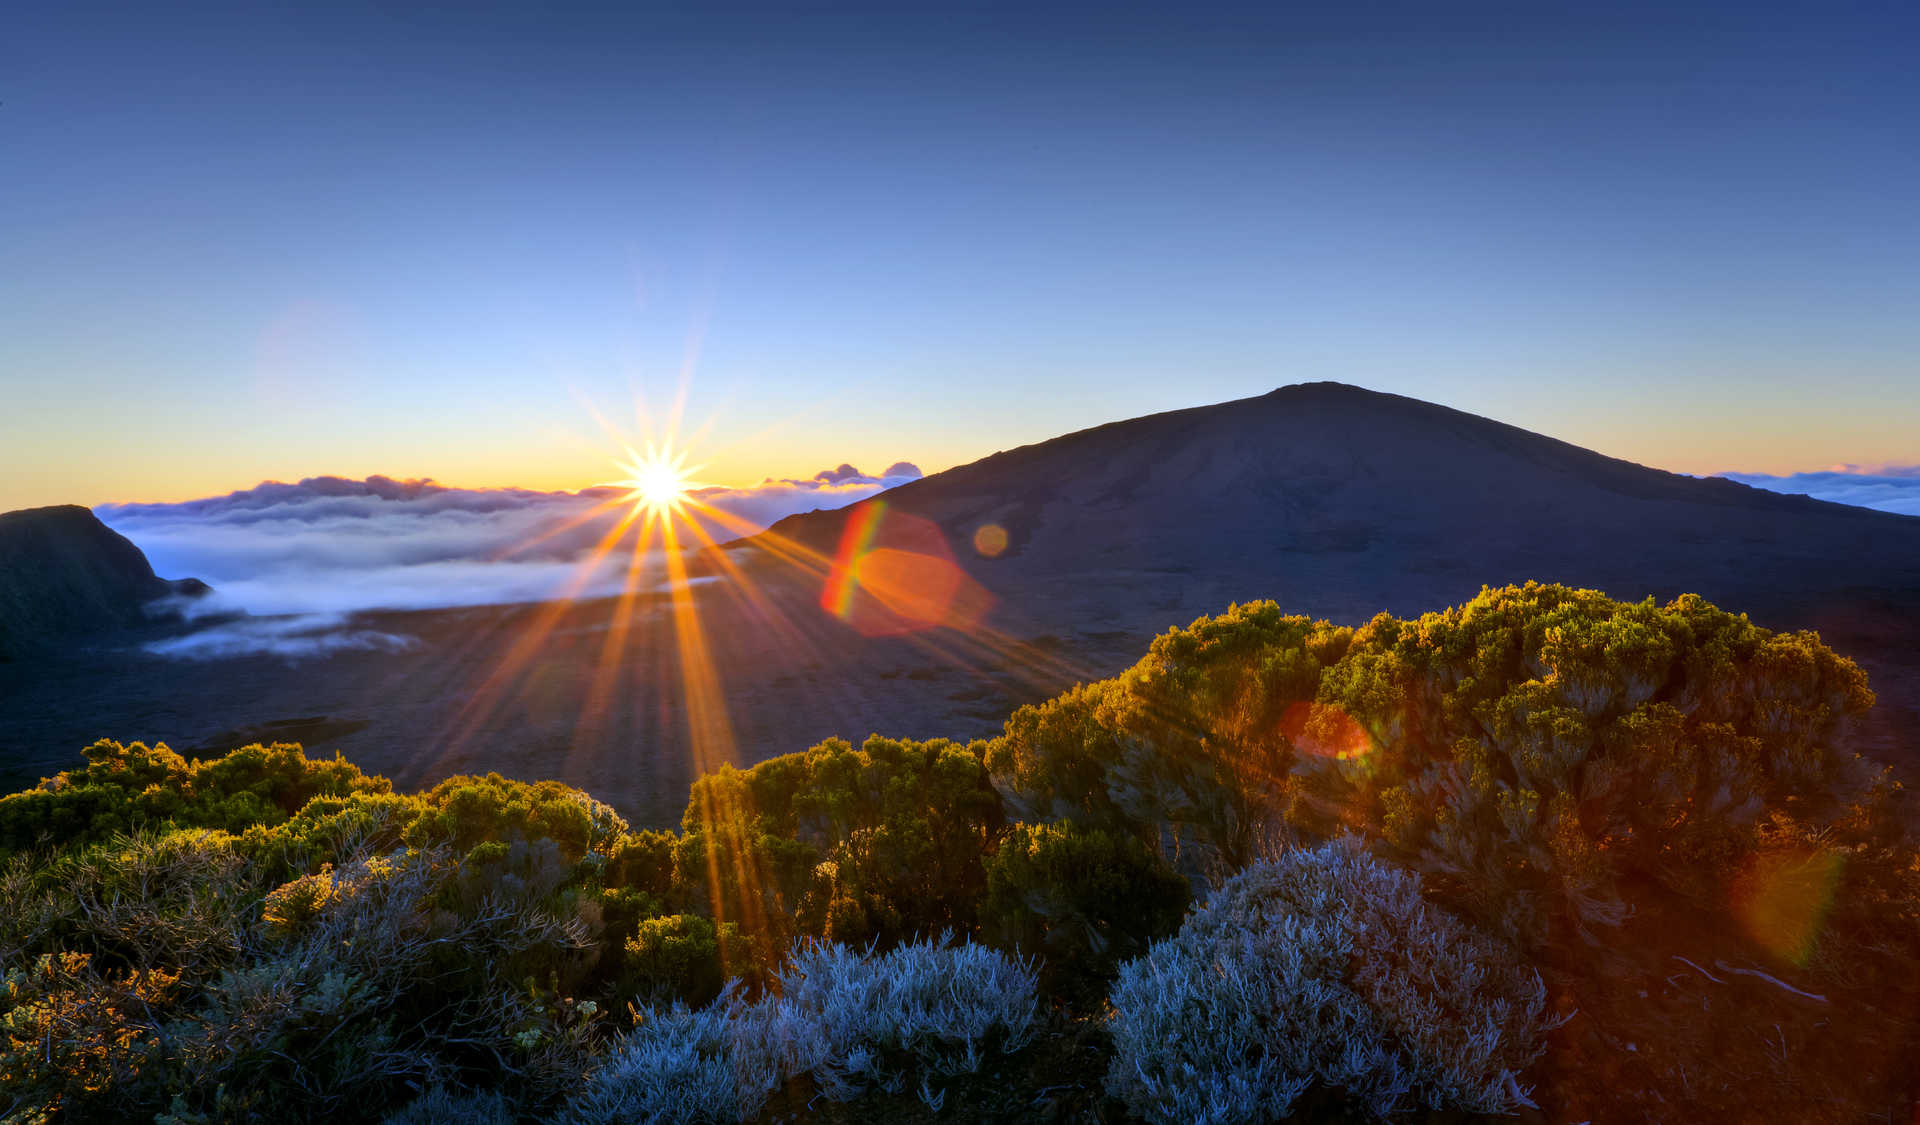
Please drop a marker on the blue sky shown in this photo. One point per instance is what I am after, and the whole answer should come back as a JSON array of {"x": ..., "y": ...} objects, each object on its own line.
[{"x": 243, "y": 244}]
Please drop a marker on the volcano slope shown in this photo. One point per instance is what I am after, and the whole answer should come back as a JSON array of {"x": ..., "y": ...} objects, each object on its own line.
[
  {"x": 935, "y": 608},
  {"x": 1341, "y": 502}
]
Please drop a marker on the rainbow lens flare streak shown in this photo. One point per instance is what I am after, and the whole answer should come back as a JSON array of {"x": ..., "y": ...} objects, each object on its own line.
[{"x": 836, "y": 596}]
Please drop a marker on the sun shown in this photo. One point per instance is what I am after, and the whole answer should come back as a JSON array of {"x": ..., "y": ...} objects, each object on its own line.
[{"x": 658, "y": 481}]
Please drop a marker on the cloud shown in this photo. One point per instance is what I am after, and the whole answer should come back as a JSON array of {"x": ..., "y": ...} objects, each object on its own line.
[
  {"x": 291, "y": 637},
  {"x": 316, "y": 552},
  {"x": 1892, "y": 488}
]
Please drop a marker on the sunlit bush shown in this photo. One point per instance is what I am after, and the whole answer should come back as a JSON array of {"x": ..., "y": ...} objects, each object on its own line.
[
  {"x": 678, "y": 957},
  {"x": 1322, "y": 968},
  {"x": 330, "y": 829},
  {"x": 122, "y": 788},
  {"x": 1531, "y": 751},
  {"x": 883, "y": 842},
  {"x": 1542, "y": 744},
  {"x": 74, "y": 1039},
  {"x": 1187, "y": 748},
  {"x": 467, "y": 811},
  {"x": 177, "y": 900}
]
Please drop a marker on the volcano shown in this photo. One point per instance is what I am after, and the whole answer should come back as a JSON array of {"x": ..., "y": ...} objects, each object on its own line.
[{"x": 1340, "y": 502}]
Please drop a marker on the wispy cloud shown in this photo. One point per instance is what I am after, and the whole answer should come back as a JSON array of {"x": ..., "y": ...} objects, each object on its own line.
[
  {"x": 1891, "y": 488},
  {"x": 305, "y": 635},
  {"x": 313, "y": 553}
]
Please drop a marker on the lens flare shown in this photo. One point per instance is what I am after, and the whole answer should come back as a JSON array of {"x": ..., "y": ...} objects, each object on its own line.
[
  {"x": 894, "y": 574},
  {"x": 1324, "y": 730},
  {"x": 1782, "y": 898}
]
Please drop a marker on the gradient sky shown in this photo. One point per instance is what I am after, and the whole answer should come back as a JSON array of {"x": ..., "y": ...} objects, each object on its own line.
[{"x": 242, "y": 243}]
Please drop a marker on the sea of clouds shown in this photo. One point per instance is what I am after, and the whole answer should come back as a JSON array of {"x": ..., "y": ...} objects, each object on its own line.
[
  {"x": 1894, "y": 488},
  {"x": 291, "y": 563}
]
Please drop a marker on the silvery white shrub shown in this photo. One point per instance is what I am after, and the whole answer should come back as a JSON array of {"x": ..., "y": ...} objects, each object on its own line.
[
  {"x": 441, "y": 1106},
  {"x": 832, "y": 1013},
  {"x": 1323, "y": 967}
]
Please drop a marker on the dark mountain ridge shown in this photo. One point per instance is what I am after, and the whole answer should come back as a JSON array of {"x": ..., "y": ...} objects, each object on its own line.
[
  {"x": 64, "y": 574},
  {"x": 1255, "y": 489}
]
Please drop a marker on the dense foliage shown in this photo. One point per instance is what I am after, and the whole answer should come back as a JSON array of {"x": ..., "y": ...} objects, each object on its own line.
[
  {"x": 879, "y": 843},
  {"x": 1534, "y": 752},
  {"x": 1084, "y": 899},
  {"x": 1540, "y": 785}
]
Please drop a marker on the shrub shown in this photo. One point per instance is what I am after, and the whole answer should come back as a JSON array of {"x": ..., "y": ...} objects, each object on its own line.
[
  {"x": 329, "y": 829},
  {"x": 464, "y": 812},
  {"x": 883, "y": 842},
  {"x": 842, "y": 1019},
  {"x": 444, "y": 1106},
  {"x": 1186, "y": 747},
  {"x": 172, "y": 900},
  {"x": 1085, "y": 898},
  {"x": 1323, "y": 968},
  {"x": 362, "y": 982},
  {"x": 680, "y": 956},
  {"x": 122, "y": 788},
  {"x": 641, "y": 861},
  {"x": 1533, "y": 752},
  {"x": 1544, "y": 745},
  {"x": 71, "y": 1036}
]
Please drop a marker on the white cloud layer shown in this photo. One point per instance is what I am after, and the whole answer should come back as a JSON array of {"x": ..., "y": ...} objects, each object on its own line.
[
  {"x": 1894, "y": 488},
  {"x": 313, "y": 553}
]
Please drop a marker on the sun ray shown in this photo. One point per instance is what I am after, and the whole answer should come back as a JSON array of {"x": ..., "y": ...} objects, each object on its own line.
[
  {"x": 613, "y": 650},
  {"x": 492, "y": 692}
]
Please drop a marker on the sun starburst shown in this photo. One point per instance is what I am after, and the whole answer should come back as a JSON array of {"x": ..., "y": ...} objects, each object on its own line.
[{"x": 657, "y": 481}]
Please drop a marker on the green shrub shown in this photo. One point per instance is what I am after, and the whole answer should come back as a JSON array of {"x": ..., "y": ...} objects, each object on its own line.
[
  {"x": 877, "y": 843},
  {"x": 678, "y": 957},
  {"x": 466, "y": 811},
  {"x": 331, "y": 829},
  {"x": 1534, "y": 751},
  {"x": 641, "y": 861},
  {"x": 149, "y": 900},
  {"x": 1186, "y": 748},
  {"x": 1083, "y": 898},
  {"x": 122, "y": 788}
]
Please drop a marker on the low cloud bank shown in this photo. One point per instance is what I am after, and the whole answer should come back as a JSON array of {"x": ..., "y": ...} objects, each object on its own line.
[
  {"x": 313, "y": 553},
  {"x": 310, "y": 634},
  {"x": 1894, "y": 488}
]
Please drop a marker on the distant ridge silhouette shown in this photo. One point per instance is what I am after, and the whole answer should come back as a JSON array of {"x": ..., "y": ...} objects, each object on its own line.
[{"x": 64, "y": 574}]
